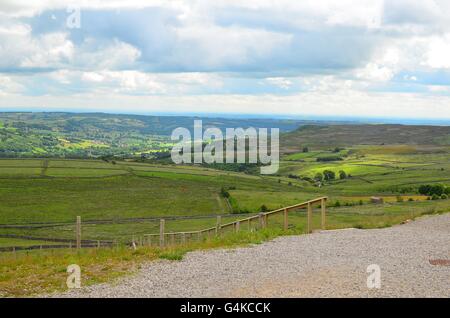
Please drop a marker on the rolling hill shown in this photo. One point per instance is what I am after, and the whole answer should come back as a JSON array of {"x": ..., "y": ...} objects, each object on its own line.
[{"x": 367, "y": 134}]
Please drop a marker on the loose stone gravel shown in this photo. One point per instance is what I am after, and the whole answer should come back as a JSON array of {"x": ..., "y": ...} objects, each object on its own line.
[{"x": 323, "y": 264}]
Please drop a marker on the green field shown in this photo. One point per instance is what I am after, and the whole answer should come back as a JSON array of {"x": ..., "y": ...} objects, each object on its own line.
[{"x": 120, "y": 200}]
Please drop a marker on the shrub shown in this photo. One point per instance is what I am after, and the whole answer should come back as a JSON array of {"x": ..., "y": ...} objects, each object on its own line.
[
  {"x": 224, "y": 193},
  {"x": 318, "y": 177},
  {"x": 342, "y": 175},
  {"x": 431, "y": 189},
  {"x": 329, "y": 158},
  {"x": 337, "y": 203},
  {"x": 263, "y": 208},
  {"x": 329, "y": 175},
  {"x": 444, "y": 197},
  {"x": 435, "y": 197}
]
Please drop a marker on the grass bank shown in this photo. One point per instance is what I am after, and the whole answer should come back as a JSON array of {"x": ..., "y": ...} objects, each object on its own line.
[{"x": 25, "y": 274}]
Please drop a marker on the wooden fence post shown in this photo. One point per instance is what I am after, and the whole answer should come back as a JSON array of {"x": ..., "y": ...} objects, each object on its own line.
[
  {"x": 161, "y": 232},
  {"x": 78, "y": 232},
  {"x": 309, "y": 217},
  {"x": 261, "y": 220},
  {"x": 218, "y": 224},
  {"x": 323, "y": 206},
  {"x": 183, "y": 238},
  {"x": 237, "y": 226},
  {"x": 286, "y": 224}
]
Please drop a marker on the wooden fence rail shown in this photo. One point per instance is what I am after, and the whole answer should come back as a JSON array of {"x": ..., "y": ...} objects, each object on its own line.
[{"x": 262, "y": 219}]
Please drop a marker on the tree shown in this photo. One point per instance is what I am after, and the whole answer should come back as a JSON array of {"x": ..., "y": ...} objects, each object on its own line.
[
  {"x": 329, "y": 175},
  {"x": 342, "y": 175},
  {"x": 305, "y": 149},
  {"x": 433, "y": 189},
  {"x": 424, "y": 189},
  {"x": 224, "y": 193},
  {"x": 437, "y": 189}
]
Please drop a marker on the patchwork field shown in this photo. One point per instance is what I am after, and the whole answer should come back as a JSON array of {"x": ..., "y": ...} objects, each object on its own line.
[{"x": 121, "y": 199}]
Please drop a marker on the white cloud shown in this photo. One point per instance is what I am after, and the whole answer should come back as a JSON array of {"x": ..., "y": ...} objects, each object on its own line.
[
  {"x": 49, "y": 50},
  {"x": 200, "y": 55},
  {"x": 9, "y": 86},
  {"x": 279, "y": 82},
  {"x": 343, "y": 103},
  {"x": 438, "y": 55}
]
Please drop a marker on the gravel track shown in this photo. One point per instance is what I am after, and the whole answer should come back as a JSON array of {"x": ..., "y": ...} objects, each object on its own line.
[{"x": 323, "y": 264}]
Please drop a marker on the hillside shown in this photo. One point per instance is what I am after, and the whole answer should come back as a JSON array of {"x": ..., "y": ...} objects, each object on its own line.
[
  {"x": 348, "y": 135},
  {"x": 97, "y": 134}
]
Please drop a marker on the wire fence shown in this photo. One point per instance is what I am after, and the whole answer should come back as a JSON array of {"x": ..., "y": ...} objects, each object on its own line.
[{"x": 247, "y": 221}]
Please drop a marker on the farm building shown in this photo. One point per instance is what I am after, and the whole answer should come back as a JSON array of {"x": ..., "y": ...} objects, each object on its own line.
[{"x": 376, "y": 200}]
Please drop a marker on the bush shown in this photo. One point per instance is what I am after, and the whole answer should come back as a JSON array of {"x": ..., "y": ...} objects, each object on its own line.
[
  {"x": 337, "y": 203},
  {"x": 444, "y": 197},
  {"x": 224, "y": 193},
  {"x": 318, "y": 177},
  {"x": 435, "y": 197},
  {"x": 432, "y": 189},
  {"x": 329, "y": 175},
  {"x": 342, "y": 175},
  {"x": 329, "y": 158},
  {"x": 263, "y": 208}
]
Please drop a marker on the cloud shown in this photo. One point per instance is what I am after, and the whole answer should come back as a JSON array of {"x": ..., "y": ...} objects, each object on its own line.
[{"x": 241, "y": 52}]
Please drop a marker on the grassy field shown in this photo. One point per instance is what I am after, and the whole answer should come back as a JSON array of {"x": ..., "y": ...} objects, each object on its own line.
[
  {"x": 40, "y": 199},
  {"x": 56, "y": 191}
]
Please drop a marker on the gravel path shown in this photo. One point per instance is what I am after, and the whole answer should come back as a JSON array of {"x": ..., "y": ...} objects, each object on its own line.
[{"x": 323, "y": 264}]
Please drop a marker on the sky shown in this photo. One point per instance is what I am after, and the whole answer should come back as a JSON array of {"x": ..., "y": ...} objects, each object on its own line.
[{"x": 363, "y": 58}]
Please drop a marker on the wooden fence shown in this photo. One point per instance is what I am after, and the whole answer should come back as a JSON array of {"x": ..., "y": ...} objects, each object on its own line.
[
  {"x": 164, "y": 238},
  {"x": 262, "y": 220}
]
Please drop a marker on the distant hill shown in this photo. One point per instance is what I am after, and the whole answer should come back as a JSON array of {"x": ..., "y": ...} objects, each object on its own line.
[
  {"x": 80, "y": 135},
  {"x": 59, "y": 134},
  {"x": 367, "y": 134}
]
